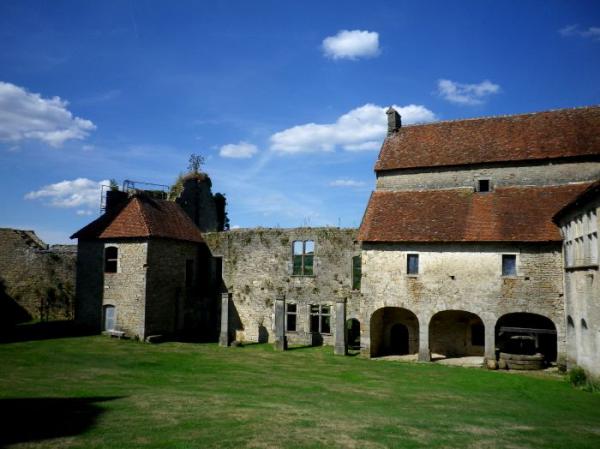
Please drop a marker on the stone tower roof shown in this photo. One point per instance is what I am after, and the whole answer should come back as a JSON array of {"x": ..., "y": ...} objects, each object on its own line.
[{"x": 143, "y": 217}]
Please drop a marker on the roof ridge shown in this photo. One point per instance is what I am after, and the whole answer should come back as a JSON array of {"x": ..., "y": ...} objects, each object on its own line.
[{"x": 145, "y": 219}]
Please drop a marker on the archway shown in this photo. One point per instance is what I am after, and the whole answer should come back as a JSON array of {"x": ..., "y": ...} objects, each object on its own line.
[
  {"x": 394, "y": 331},
  {"x": 456, "y": 333},
  {"x": 353, "y": 333},
  {"x": 525, "y": 333}
]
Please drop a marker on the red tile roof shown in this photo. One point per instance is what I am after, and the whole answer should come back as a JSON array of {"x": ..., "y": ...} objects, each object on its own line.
[
  {"x": 144, "y": 217},
  {"x": 509, "y": 214},
  {"x": 588, "y": 195},
  {"x": 537, "y": 136}
]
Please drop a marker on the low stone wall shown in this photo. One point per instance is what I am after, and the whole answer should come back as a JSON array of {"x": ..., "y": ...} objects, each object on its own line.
[{"x": 37, "y": 281}]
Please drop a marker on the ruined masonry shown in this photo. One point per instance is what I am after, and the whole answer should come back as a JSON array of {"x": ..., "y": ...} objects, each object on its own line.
[{"x": 480, "y": 239}]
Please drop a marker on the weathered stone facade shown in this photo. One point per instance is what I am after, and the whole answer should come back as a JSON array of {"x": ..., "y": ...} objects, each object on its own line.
[
  {"x": 257, "y": 268},
  {"x": 37, "y": 281}
]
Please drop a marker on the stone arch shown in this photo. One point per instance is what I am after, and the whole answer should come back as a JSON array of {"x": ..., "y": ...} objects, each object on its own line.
[
  {"x": 353, "y": 333},
  {"x": 456, "y": 333},
  {"x": 394, "y": 330},
  {"x": 541, "y": 328}
]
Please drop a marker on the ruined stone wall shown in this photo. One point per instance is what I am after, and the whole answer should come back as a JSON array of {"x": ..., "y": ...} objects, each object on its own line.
[
  {"x": 257, "y": 266},
  {"x": 582, "y": 297},
  {"x": 197, "y": 200},
  {"x": 167, "y": 297},
  {"x": 37, "y": 281},
  {"x": 536, "y": 174},
  {"x": 126, "y": 289},
  {"x": 465, "y": 277}
]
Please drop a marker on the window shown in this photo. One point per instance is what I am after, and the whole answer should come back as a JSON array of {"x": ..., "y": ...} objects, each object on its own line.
[
  {"x": 291, "y": 312},
  {"x": 356, "y": 272},
  {"x": 477, "y": 335},
  {"x": 412, "y": 264},
  {"x": 320, "y": 318},
  {"x": 109, "y": 318},
  {"x": 484, "y": 185},
  {"x": 189, "y": 273},
  {"x": 509, "y": 265},
  {"x": 303, "y": 257},
  {"x": 111, "y": 259}
]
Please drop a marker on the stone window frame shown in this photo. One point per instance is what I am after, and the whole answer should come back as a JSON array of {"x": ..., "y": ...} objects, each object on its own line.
[
  {"x": 478, "y": 184},
  {"x": 516, "y": 273},
  {"x": 320, "y": 314},
  {"x": 294, "y": 313},
  {"x": 116, "y": 259},
  {"x": 303, "y": 256},
  {"x": 419, "y": 271}
]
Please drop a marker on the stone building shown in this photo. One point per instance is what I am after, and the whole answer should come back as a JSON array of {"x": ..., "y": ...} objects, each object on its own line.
[
  {"x": 579, "y": 222},
  {"x": 37, "y": 281},
  {"x": 459, "y": 251}
]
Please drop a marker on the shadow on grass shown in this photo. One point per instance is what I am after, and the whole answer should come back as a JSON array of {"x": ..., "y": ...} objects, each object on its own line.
[
  {"x": 296, "y": 348},
  {"x": 43, "y": 331},
  {"x": 32, "y": 419}
]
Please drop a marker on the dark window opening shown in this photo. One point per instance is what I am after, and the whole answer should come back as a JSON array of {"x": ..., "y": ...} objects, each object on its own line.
[
  {"x": 356, "y": 272},
  {"x": 291, "y": 314},
  {"x": 303, "y": 253},
  {"x": 111, "y": 258},
  {"x": 484, "y": 185},
  {"x": 509, "y": 265},
  {"x": 477, "y": 335},
  {"x": 412, "y": 264},
  {"x": 320, "y": 319}
]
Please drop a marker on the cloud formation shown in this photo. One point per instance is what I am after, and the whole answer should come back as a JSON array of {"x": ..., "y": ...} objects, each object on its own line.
[
  {"x": 241, "y": 150},
  {"x": 468, "y": 94},
  {"x": 360, "y": 129},
  {"x": 26, "y": 115},
  {"x": 346, "y": 183},
  {"x": 351, "y": 45},
  {"x": 81, "y": 193},
  {"x": 574, "y": 30}
]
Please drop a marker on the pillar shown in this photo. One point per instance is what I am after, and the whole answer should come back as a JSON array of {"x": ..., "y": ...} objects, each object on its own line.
[
  {"x": 424, "y": 352},
  {"x": 224, "y": 335},
  {"x": 340, "y": 347},
  {"x": 280, "y": 343},
  {"x": 490, "y": 345}
]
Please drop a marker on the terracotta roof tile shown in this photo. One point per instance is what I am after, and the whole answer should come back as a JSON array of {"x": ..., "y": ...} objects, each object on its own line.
[
  {"x": 589, "y": 194},
  {"x": 510, "y": 214},
  {"x": 143, "y": 217},
  {"x": 537, "y": 136}
]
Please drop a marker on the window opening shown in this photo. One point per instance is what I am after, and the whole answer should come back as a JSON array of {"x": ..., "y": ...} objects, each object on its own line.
[
  {"x": 320, "y": 318},
  {"x": 412, "y": 264},
  {"x": 111, "y": 258},
  {"x": 484, "y": 185},
  {"x": 509, "y": 265},
  {"x": 356, "y": 272},
  {"x": 303, "y": 257},
  {"x": 291, "y": 315}
]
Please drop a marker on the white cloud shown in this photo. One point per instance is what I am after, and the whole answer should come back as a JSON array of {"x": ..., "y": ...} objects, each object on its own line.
[
  {"x": 574, "y": 30},
  {"x": 360, "y": 129},
  {"x": 352, "y": 45},
  {"x": 241, "y": 150},
  {"x": 26, "y": 115},
  {"x": 469, "y": 94},
  {"x": 81, "y": 192},
  {"x": 346, "y": 183},
  {"x": 84, "y": 212}
]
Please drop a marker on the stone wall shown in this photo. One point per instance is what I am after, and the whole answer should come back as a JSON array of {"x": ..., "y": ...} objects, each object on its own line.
[
  {"x": 582, "y": 297},
  {"x": 537, "y": 174},
  {"x": 257, "y": 267},
  {"x": 37, "y": 281},
  {"x": 464, "y": 277},
  {"x": 90, "y": 284}
]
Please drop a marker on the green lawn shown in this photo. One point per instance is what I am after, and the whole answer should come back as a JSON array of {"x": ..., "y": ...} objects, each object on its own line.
[{"x": 96, "y": 392}]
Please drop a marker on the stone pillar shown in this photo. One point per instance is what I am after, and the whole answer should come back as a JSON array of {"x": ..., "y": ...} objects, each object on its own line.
[
  {"x": 424, "y": 352},
  {"x": 224, "y": 335},
  {"x": 280, "y": 343},
  {"x": 490, "y": 345},
  {"x": 340, "y": 347}
]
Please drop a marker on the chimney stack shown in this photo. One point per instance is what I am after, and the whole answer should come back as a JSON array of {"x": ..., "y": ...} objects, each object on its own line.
[{"x": 394, "y": 121}]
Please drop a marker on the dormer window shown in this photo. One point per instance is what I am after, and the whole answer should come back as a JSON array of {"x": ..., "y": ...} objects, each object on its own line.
[{"x": 484, "y": 185}]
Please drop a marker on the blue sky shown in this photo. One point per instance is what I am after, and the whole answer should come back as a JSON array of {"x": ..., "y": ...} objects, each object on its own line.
[{"x": 285, "y": 100}]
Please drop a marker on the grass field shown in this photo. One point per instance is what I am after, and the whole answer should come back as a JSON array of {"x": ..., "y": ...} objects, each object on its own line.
[{"x": 95, "y": 392}]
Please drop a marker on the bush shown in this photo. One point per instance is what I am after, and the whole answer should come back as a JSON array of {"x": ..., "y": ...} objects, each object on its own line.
[{"x": 580, "y": 379}]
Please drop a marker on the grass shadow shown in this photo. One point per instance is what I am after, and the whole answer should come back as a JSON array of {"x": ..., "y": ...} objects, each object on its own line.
[
  {"x": 33, "y": 419},
  {"x": 43, "y": 331}
]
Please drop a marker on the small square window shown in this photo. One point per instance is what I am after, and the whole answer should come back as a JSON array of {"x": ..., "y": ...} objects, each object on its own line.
[
  {"x": 412, "y": 264},
  {"x": 509, "y": 265},
  {"x": 484, "y": 185},
  {"x": 291, "y": 315}
]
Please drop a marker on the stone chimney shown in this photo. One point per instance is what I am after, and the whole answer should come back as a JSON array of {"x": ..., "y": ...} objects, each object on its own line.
[
  {"x": 114, "y": 199},
  {"x": 394, "y": 121}
]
